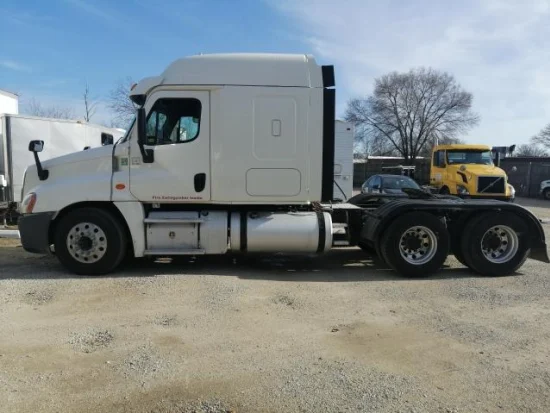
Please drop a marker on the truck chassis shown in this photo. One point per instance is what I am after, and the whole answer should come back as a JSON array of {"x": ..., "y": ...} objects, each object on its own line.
[{"x": 413, "y": 235}]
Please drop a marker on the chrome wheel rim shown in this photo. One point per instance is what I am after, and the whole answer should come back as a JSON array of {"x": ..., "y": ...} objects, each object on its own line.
[
  {"x": 499, "y": 244},
  {"x": 418, "y": 245},
  {"x": 86, "y": 243}
]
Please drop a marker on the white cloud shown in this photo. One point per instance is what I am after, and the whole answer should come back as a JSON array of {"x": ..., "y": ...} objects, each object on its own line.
[
  {"x": 13, "y": 65},
  {"x": 497, "y": 49}
]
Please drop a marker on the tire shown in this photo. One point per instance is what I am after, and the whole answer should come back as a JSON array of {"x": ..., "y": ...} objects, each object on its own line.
[
  {"x": 445, "y": 191},
  {"x": 405, "y": 230},
  {"x": 101, "y": 247},
  {"x": 546, "y": 194},
  {"x": 367, "y": 248},
  {"x": 510, "y": 247}
]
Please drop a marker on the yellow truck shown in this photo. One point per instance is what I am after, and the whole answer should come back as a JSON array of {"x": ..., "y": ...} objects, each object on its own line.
[{"x": 469, "y": 171}]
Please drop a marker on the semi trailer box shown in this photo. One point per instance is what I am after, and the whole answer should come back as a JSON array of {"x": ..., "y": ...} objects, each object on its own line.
[{"x": 61, "y": 137}]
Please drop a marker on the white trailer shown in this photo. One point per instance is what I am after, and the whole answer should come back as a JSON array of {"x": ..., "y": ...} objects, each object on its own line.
[
  {"x": 9, "y": 102},
  {"x": 234, "y": 153},
  {"x": 61, "y": 137},
  {"x": 343, "y": 160}
]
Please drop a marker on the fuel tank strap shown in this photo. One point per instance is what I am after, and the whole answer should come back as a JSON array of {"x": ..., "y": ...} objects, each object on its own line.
[
  {"x": 322, "y": 232},
  {"x": 244, "y": 231}
]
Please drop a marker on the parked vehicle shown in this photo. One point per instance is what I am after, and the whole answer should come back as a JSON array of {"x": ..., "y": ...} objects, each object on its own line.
[
  {"x": 235, "y": 153},
  {"x": 545, "y": 189},
  {"x": 407, "y": 170},
  {"x": 388, "y": 184},
  {"x": 61, "y": 137},
  {"x": 469, "y": 171}
]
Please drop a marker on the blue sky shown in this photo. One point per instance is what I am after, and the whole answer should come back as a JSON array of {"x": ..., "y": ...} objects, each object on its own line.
[{"x": 497, "y": 49}]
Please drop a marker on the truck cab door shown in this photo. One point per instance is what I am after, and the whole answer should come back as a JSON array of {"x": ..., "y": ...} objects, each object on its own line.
[
  {"x": 437, "y": 173},
  {"x": 178, "y": 134}
]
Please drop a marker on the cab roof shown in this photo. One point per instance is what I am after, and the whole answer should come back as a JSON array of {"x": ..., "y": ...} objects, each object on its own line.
[
  {"x": 459, "y": 147},
  {"x": 245, "y": 69}
]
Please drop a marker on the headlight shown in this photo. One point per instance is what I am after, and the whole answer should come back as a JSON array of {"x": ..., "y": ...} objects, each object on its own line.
[
  {"x": 28, "y": 203},
  {"x": 462, "y": 190}
]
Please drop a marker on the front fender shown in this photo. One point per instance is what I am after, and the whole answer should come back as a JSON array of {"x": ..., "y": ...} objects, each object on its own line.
[{"x": 60, "y": 193}]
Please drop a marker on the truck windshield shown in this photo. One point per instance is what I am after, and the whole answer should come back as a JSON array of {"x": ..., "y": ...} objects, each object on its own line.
[
  {"x": 127, "y": 134},
  {"x": 469, "y": 157}
]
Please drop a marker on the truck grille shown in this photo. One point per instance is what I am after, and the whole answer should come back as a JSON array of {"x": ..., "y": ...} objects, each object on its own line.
[{"x": 497, "y": 186}]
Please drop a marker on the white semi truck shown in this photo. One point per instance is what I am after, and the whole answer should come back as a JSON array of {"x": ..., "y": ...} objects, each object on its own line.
[{"x": 234, "y": 153}]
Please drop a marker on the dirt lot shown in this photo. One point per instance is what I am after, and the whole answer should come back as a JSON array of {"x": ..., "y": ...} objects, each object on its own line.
[{"x": 272, "y": 334}]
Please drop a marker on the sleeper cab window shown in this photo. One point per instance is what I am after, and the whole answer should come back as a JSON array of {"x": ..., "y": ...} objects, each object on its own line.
[{"x": 173, "y": 120}]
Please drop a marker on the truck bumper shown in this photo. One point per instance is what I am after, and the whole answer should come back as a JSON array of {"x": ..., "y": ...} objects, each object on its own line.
[{"x": 34, "y": 230}]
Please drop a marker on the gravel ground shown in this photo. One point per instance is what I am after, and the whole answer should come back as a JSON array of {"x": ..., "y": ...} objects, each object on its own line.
[{"x": 338, "y": 333}]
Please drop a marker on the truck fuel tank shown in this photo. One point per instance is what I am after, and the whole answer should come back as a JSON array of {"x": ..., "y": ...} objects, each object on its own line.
[{"x": 299, "y": 232}]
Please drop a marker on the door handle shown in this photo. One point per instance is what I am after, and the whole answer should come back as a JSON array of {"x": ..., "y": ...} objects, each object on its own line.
[{"x": 200, "y": 182}]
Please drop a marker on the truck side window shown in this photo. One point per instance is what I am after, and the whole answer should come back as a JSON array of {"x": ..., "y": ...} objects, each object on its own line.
[
  {"x": 173, "y": 120},
  {"x": 106, "y": 139},
  {"x": 440, "y": 159}
]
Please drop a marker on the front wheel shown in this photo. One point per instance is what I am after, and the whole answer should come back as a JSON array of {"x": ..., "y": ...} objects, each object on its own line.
[
  {"x": 90, "y": 241},
  {"x": 415, "y": 244},
  {"x": 445, "y": 191},
  {"x": 495, "y": 244}
]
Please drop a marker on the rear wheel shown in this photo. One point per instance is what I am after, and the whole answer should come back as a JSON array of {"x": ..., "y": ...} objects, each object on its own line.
[
  {"x": 415, "y": 244},
  {"x": 495, "y": 244},
  {"x": 445, "y": 191},
  {"x": 90, "y": 241},
  {"x": 367, "y": 248}
]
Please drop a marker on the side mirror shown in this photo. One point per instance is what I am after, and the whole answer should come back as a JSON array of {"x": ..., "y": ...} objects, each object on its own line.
[
  {"x": 36, "y": 146},
  {"x": 497, "y": 158}
]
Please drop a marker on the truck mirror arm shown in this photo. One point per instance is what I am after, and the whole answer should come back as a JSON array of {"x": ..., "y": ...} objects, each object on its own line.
[
  {"x": 42, "y": 173},
  {"x": 148, "y": 155}
]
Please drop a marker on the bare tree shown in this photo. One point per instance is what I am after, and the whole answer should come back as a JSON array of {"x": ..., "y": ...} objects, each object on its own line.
[
  {"x": 528, "y": 150},
  {"x": 35, "y": 108},
  {"x": 120, "y": 104},
  {"x": 90, "y": 104},
  {"x": 409, "y": 110},
  {"x": 543, "y": 137}
]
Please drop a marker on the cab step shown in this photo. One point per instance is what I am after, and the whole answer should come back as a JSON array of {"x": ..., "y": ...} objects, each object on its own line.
[
  {"x": 166, "y": 252},
  {"x": 169, "y": 221}
]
